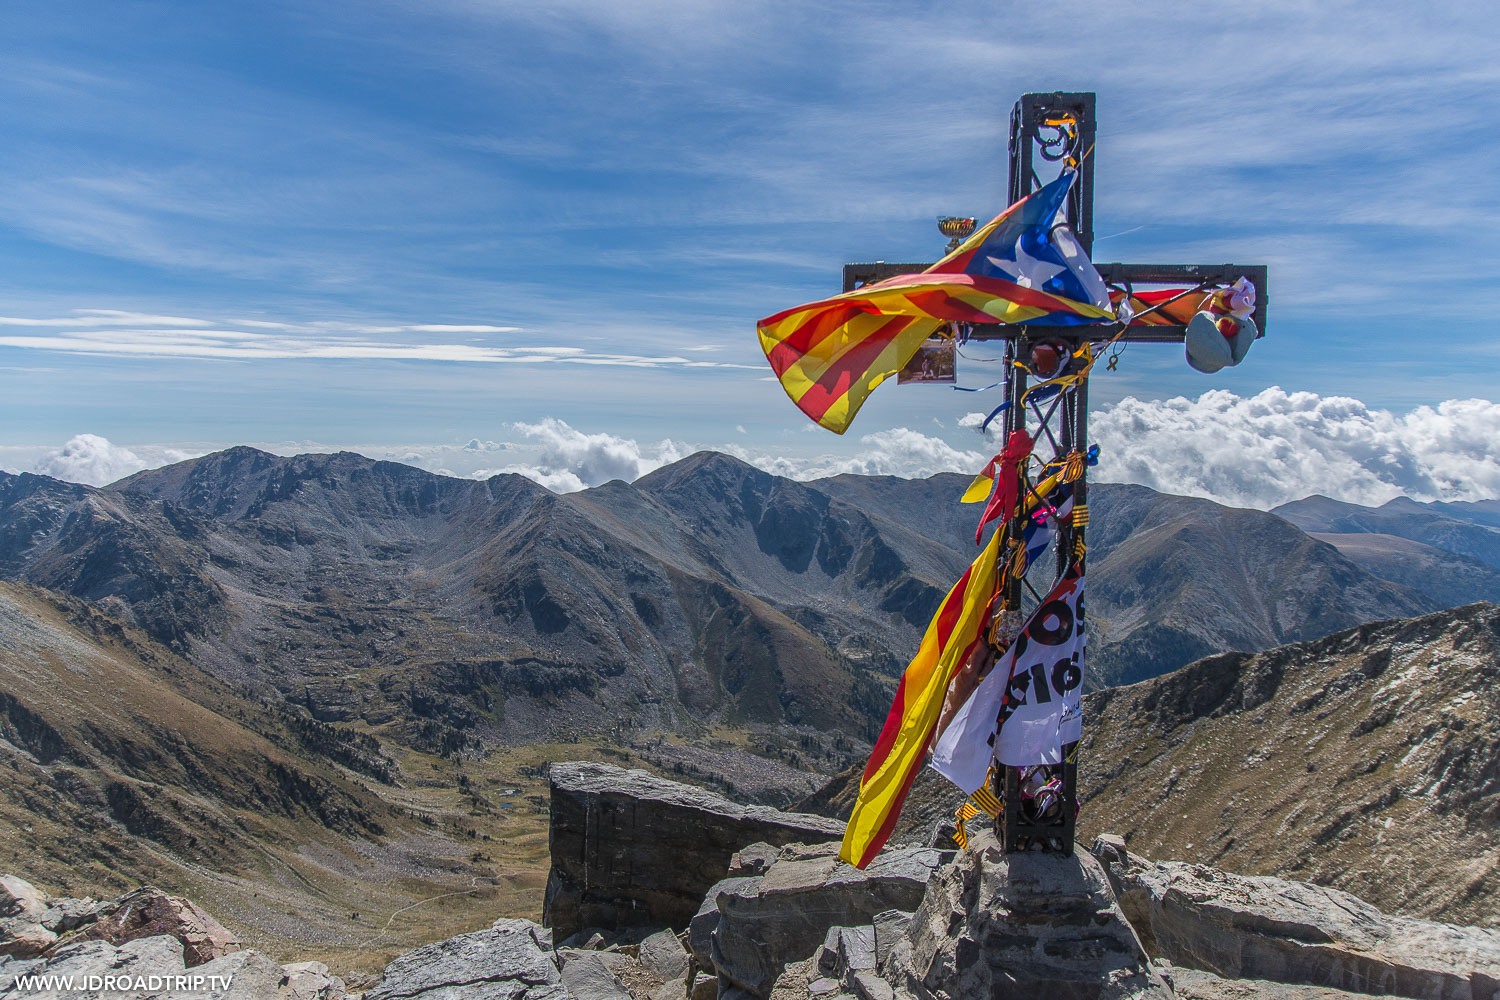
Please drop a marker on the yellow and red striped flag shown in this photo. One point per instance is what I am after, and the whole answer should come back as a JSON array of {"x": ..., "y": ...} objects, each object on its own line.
[
  {"x": 902, "y": 745},
  {"x": 830, "y": 355}
]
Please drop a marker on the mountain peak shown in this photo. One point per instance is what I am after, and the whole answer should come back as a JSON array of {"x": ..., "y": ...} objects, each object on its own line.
[{"x": 702, "y": 466}]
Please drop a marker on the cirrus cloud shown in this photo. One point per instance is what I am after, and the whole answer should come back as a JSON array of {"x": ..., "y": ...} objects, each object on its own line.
[{"x": 111, "y": 332}]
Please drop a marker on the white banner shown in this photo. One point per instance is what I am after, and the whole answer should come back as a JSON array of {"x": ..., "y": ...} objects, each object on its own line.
[{"x": 1028, "y": 705}]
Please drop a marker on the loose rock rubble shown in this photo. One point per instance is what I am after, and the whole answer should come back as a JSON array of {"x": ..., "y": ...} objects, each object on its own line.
[
  {"x": 761, "y": 924},
  {"x": 792, "y": 922},
  {"x": 145, "y": 934}
]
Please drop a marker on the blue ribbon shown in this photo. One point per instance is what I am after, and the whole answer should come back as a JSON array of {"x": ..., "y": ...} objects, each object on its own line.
[{"x": 993, "y": 414}]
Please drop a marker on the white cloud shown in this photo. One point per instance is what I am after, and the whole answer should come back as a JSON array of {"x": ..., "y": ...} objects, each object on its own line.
[
  {"x": 451, "y": 328},
  {"x": 1256, "y": 451},
  {"x": 568, "y": 460},
  {"x": 558, "y": 480},
  {"x": 899, "y": 451},
  {"x": 1277, "y": 446},
  {"x": 89, "y": 458},
  {"x": 973, "y": 420},
  {"x": 102, "y": 317}
]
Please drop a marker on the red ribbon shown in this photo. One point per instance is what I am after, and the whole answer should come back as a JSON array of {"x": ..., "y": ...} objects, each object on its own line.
[{"x": 1007, "y": 486}]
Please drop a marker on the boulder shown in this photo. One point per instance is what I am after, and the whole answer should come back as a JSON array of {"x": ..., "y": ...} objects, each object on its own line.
[
  {"x": 21, "y": 938},
  {"x": 10, "y": 968},
  {"x": 19, "y": 898},
  {"x": 866, "y": 985},
  {"x": 675, "y": 989},
  {"x": 588, "y": 976},
  {"x": 240, "y": 975},
  {"x": 665, "y": 956},
  {"x": 1242, "y": 927},
  {"x": 540, "y": 936},
  {"x": 705, "y": 987},
  {"x": 504, "y": 962},
  {"x": 767, "y": 922},
  {"x": 889, "y": 927},
  {"x": 149, "y": 912},
  {"x": 701, "y": 927},
  {"x": 63, "y": 915},
  {"x": 631, "y": 849},
  {"x": 588, "y": 939},
  {"x": 23, "y": 933},
  {"x": 78, "y": 958},
  {"x": 753, "y": 859},
  {"x": 846, "y": 950},
  {"x": 311, "y": 981},
  {"x": 1019, "y": 925}
]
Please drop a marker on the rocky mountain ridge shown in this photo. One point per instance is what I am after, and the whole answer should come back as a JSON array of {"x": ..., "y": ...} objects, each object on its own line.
[
  {"x": 1469, "y": 529},
  {"x": 1449, "y": 551},
  {"x": 1365, "y": 760},
  {"x": 454, "y": 612}
]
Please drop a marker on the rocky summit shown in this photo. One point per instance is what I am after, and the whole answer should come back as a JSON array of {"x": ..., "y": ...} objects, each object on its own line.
[{"x": 792, "y": 922}]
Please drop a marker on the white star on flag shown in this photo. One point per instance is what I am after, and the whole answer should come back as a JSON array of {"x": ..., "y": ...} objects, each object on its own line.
[{"x": 1026, "y": 270}]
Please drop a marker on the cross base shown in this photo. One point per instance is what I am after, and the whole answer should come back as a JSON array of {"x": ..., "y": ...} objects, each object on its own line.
[{"x": 1018, "y": 830}]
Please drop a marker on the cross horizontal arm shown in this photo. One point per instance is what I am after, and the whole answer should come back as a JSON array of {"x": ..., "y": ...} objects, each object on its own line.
[{"x": 1118, "y": 275}]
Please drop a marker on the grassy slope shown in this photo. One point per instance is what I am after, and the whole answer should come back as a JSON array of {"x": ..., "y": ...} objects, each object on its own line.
[{"x": 122, "y": 763}]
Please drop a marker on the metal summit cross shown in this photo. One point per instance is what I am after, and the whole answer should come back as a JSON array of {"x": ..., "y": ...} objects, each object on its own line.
[{"x": 1062, "y": 127}]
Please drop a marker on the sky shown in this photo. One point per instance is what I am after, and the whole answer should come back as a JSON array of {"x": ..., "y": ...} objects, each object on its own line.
[{"x": 485, "y": 236}]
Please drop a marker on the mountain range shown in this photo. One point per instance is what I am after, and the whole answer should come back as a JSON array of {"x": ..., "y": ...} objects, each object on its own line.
[{"x": 459, "y": 612}]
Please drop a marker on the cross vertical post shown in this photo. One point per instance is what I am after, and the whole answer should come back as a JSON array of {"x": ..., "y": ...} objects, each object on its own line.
[{"x": 1058, "y": 126}]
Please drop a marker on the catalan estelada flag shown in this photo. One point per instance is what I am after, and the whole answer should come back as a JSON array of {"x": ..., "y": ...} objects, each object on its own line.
[
  {"x": 1022, "y": 267},
  {"x": 902, "y": 746}
]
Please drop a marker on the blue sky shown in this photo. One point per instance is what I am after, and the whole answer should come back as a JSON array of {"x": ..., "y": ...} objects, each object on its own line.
[{"x": 404, "y": 227}]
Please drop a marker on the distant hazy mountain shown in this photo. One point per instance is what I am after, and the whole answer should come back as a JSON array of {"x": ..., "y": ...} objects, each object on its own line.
[
  {"x": 374, "y": 590},
  {"x": 1468, "y": 529},
  {"x": 707, "y": 591},
  {"x": 1173, "y": 578}
]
